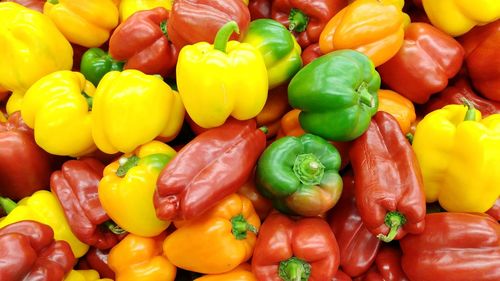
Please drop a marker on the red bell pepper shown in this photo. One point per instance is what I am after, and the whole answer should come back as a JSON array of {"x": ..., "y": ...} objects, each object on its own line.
[
  {"x": 194, "y": 21},
  {"x": 75, "y": 186},
  {"x": 25, "y": 166},
  {"x": 142, "y": 42},
  {"x": 388, "y": 181},
  {"x": 495, "y": 210},
  {"x": 311, "y": 53},
  {"x": 288, "y": 250},
  {"x": 305, "y": 18},
  {"x": 28, "y": 252},
  {"x": 358, "y": 246},
  {"x": 97, "y": 260},
  {"x": 260, "y": 9},
  {"x": 454, "y": 247},
  {"x": 387, "y": 266},
  {"x": 423, "y": 65},
  {"x": 341, "y": 276},
  {"x": 210, "y": 167},
  {"x": 482, "y": 59}
]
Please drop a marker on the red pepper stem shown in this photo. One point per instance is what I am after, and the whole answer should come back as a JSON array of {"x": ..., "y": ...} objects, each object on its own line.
[
  {"x": 470, "y": 115},
  {"x": 394, "y": 220},
  {"x": 241, "y": 227},
  {"x": 308, "y": 169},
  {"x": 7, "y": 204},
  {"x": 222, "y": 36},
  {"x": 294, "y": 269},
  {"x": 297, "y": 20}
]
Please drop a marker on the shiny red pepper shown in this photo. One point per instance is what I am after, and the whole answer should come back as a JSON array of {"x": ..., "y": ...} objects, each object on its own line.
[
  {"x": 495, "y": 210},
  {"x": 311, "y": 53},
  {"x": 423, "y": 65},
  {"x": 210, "y": 167},
  {"x": 387, "y": 266},
  {"x": 341, "y": 276},
  {"x": 388, "y": 181},
  {"x": 260, "y": 9},
  {"x": 97, "y": 260},
  {"x": 142, "y": 42}
]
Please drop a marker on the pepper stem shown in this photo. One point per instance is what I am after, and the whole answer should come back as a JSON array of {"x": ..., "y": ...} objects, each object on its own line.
[
  {"x": 113, "y": 227},
  {"x": 298, "y": 20},
  {"x": 7, "y": 204},
  {"x": 365, "y": 96},
  {"x": 163, "y": 27},
  {"x": 89, "y": 99},
  {"x": 294, "y": 269},
  {"x": 308, "y": 169},
  {"x": 264, "y": 129},
  {"x": 222, "y": 36},
  {"x": 241, "y": 227},
  {"x": 470, "y": 115},
  {"x": 53, "y": 2},
  {"x": 126, "y": 164},
  {"x": 394, "y": 220},
  {"x": 409, "y": 137}
]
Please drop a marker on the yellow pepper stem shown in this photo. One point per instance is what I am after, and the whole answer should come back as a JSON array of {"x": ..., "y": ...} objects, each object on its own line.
[
  {"x": 222, "y": 36},
  {"x": 7, "y": 204},
  {"x": 470, "y": 115},
  {"x": 241, "y": 227},
  {"x": 294, "y": 269},
  {"x": 394, "y": 220}
]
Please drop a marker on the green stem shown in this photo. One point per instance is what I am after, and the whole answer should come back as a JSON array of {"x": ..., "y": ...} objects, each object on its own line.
[
  {"x": 294, "y": 269},
  {"x": 240, "y": 227},
  {"x": 365, "y": 96},
  {"x": 394, "y": 220},
  {"x": 298, "y": 20},
  {"x": 53, "y": 2},
  {"x": 89, "y": 99},
  {"x": 7, "y": 204},
  {"x": 264, "y": 130},
  {"x": 163, "y": 27},
  {"x": 308, "y": 169},
  {"x": 409, "y": 136},
  {"x": 470, "y": 115},
  {"x": 222, "y": 36},
  {"x": 113, "y": 227},
  {"x": 126, "y": 164}
]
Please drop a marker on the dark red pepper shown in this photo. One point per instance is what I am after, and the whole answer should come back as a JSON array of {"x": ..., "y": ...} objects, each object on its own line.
[
  {"x": 97, "y": 260},
  {"x": 311, "y": 53},
  {"x": 387, "y": 266},
  {"x": 341, "y": 276},
  {"x": 260, "y": 9}
]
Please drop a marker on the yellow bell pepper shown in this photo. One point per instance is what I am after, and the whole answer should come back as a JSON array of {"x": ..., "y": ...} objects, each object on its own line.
[
  {"x": 132, "y": 108},
  {"x": 128, "y": 7},
  {"x": 127, "y": 188},
  {"x": 87, "y": 23},
  {"x": 44, "y": 207},
  {"x": 221, "y": 80},
  {"x": 58, "y": 108},
  {"x": 84, "y": 275},
  {"x": 456, "y": 17},
  {"x": 458, "y": 153},
  {"x": 31, "y": 47}
]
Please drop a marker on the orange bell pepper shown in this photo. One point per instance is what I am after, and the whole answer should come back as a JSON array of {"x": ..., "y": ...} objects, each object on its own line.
[
  {"x": 276, "y": 106},
  {"x": 241, "y": 273},
  {"x": 261, "y": 204},
  {"x": 218, "y": 241},
  {"x": 140, "y": 258},
  {"x": 398, "y": 106}
]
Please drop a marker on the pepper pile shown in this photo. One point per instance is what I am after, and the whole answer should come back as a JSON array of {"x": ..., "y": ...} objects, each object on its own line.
[{"x": 269, "y": 140}]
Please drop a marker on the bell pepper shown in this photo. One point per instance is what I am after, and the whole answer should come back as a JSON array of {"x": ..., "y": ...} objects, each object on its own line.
[
  {"x": 233, "y": 76},
  {"x": 389, "y": 189},
  {"x": 300, "y": 175},
  {"x": 210, "y": 167},
  {"x": 457, "y": 17},
  {"x": 262, "y": 205},
  {"x": 358, "y": 247},
  {"x": 75, "y": 186},
  {"x": 127, "y": 187},
  {"x": 398, "y": 106},
  {"x": 86, "y": 23},
  {"x": 337, "y": 94},
  {"x": 31, "y": 47},
  {"x": 97, "y": 260},
  {"x": 453, "y": 246},
  {"x": 341, "y": 276},
  {"x": 457, "y": 165},
  {"x": 276, "y": 106},
  {"x": 260, "y": 9},
  {"x": 387, "y": 266},
  {"x": 423, "y": 65},
  {"x": 36, "y": 5},
  {"x": 28, "y": 251},
  {"x": 142, "y": 42},
  {"x": 96, "y": 62},
  {"x": 217, "y": 241},
  {"x": 129, "y": 7},
  {"x": 306, "y": 19},
  {"x": 242, "y": 273},
  {"x": 193, "y": 21},
  {"x": 481, "y": 58},
  {"x": 43, "y": 207},
  {"x": 288, "y": 250},
  {"x": 278, "y": 47},
  {"x": 375, "y": 28},
  {"x": 84, "y": 275},
  {"x": 153, "y": 110},
  {"x": 311, "y": 53},
  {"x": 140, "y": 258},
  {"x": 495, "y": 210}
]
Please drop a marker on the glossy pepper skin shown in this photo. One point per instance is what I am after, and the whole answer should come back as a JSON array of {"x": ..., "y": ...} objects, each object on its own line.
[
  {"x": 388, "y": 182},
  {"x": 127, "y": 187},
  {"x": 337, "y": 94},
  {"x": 36, "y": 5},
  {"x": 423, "y": 65},
  {"x": 456, "y": 165},
  {"x": 495, "y": 210},
  {"x": 262, "y": 205},
  {"x": 375, "y": 28},
  {"x": 75, "y": 186},
  {"x": 242, "y": 273},
  {"x": 311, "y": 53},
  {"x": 210, "y": 167},
  {"x": 217, "y": 241},
  {"x": 26, "y": 167},
  {"x": 193, "y": 21},
  {"x": 288, "y": 250},
  {"x": 154, "y": 111},
  {"x": 30, "y": 47},
  {"x": 129, "y": 7},
  {"x": 142, "y": 42},
  {"x": 97, "y": 260},
  {"x": 278, "y": 47},
  {"x": 453, "y": 246},
  {"x": 481, "y": 57},
  {"x": 398, "y": 106},
  {"x": 387, "y": 266},
  {"x": 300, "y": 175},
  {"x": 260, "y": 9},
  {"x": 96, "y": 63},
  {"x": 86, "y": 23},
  {"x": 140, "y": 258},
  {"x": 233, "y": 75},
  {"x": 305, "y": 19},
  {"x": 28, "y": 251}
]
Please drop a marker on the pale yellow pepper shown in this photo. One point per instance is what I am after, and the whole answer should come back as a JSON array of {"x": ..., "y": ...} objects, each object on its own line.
[
  {"x": 84, "y": 275},
  {"x": 128, "y": 7}
]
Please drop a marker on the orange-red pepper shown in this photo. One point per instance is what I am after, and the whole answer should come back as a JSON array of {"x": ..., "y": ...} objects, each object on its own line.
[{"x": 398, "y": 106}]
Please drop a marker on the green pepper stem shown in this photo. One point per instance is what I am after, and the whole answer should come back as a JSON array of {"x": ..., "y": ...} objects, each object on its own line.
[
  {"x": 240, "y": 227},
  {"x": 308, "y": 169},
  {"x": 89, "y": 99},
  {"x": 264, "y": 130},
  {"x": 470, "y": 115},
  {"x": 222, "y": 36},
  {"x": 394, "y": 220},
  {"x": 53, "y": 2},
  {"x": 365, "y": 96},
  {"x": 409, "y": 136},
  {"x": 113, "y": 227},
  {"x": 297, "y": 20},
  {"x": 126, "y": 164},
  {"x": 163, "y": 27},
  {"x": 7, "y": 204},
  {"x": 294, "y": 269}
]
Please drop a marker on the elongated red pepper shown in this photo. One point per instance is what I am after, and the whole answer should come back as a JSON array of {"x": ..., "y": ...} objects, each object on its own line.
[
  {"x": 388, "y": 182},
  {"x": 495, "y": 210},
  {"x": 212, "y": 166},
  {"x": 311, "y": 53},
  {"x": 454, "y": 247}
]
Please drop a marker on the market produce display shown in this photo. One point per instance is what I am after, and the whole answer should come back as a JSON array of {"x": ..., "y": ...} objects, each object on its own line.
[{"x": 249, "y": 140}]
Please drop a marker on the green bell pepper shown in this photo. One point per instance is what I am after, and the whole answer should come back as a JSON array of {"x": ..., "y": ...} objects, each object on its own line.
[
  {"x": 300, "y": 175},
  {"x": 96, "y": 62},
  {"x": 337, "y": 94},
  {"x": 278, "y": 47}
]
